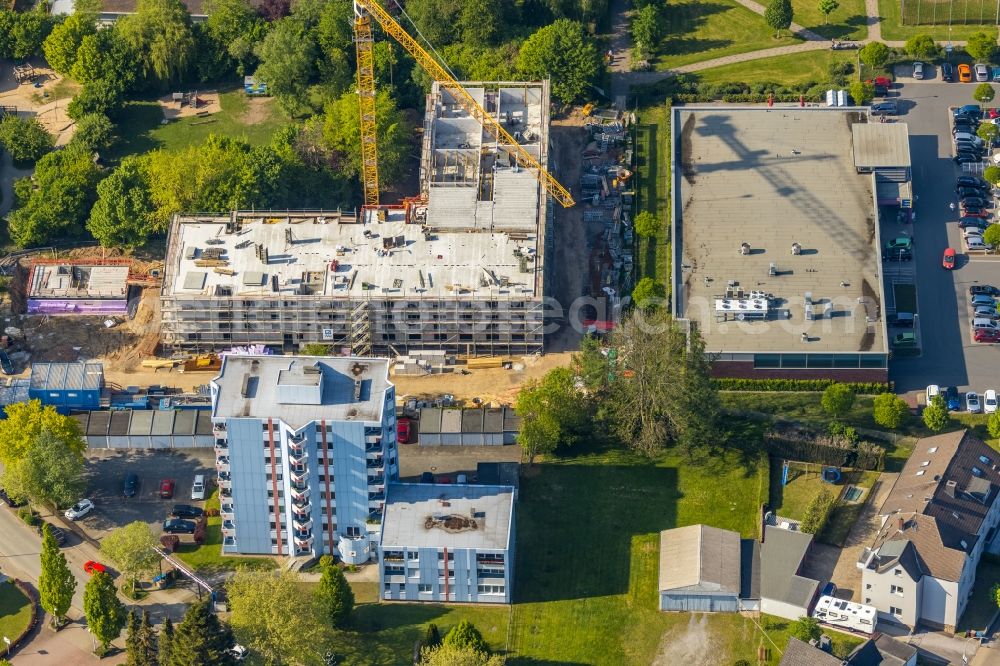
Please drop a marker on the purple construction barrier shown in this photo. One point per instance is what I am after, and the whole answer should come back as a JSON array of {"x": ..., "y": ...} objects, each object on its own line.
[{"x": 77, "y": 307}]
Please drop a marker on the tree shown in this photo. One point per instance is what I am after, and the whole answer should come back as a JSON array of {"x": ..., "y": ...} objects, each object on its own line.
[
  {"x": 235, "y": 28},
  {"x": 981, "y": 46},
  {"x": 25, "y": 139},
  {"x": 160, "y": 34},
  {"x": 591, "y": 365},
  {"x": 315, "y": 349},
  {"x": 838, "y": 400},
  {"x": 131, "y": 548},
  {"x": 50, "y": 474},
  {"x": 104, "y": 612},
  {"x": 889, "y": 410},
  {"x": 201, "y": 638},
  {"x": 334, "y": 595},
  {"x": 875, "y": 54},
  {"x": 342, "y": 135},
  {"x": 56, "y": 583},
  {"x": 984, "y": 93},
  {"x": 936, "y": 414},
  {"x": 287, "y": 63},
  {"x": 145, "y": 643},
  {"x": 647, "y": 224},
  {"x": 827, "y": 7},
  {"x": 94, "y": 131},
  {"x": 922, "y": 46},
  {"x": 862, "y": 93},
  {"x": 25, "y": 32},
  {"x": 102, "y": 97},
  {"x": 648, "y": 294},
  {"x": 105, "y": 56},
  {"x": 991, "y": 173},
  {"x": 465, "y": 635},
  {"x": 806, "y": 629},
  {"x": 988, "y": 132},
  {"x": 258, "y": 605},
  {"x": 447, "y": 655},
  {"x": 481, "y": 21},
  {"x": 646, "y": 28},
  {"x": 26, "y": 420},
  {"x": 64, "y": 41},
  {"x": 122, "y": 215},
  {"x": 817, "y": 512},
  {"x": 550, "y": 412},
  {"x": 993, "y": 425},
  {"x": 563, "y": 53},
  {"x": 432, "y": 637},
  {"x": 778, "y": 15},
  {"x": 55, "y": 201},
  {"x": 992, "y": 235},
  {"x": 165, "y": 643}
]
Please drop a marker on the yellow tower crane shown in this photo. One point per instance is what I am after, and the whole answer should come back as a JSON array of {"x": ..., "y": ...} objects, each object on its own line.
[{"x": 364, "y": 11}]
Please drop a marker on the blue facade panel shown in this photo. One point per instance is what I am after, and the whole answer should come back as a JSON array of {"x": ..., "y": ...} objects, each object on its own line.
[{"x": 252, "y": 508}]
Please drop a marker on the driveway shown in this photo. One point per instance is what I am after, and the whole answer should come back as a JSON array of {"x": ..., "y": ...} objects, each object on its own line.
[{"x": 949, "y": 357}]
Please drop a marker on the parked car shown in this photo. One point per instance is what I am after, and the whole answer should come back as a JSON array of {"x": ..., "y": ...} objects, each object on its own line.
[
  {"x": 10, "y": 501},
  {"x": 426, "y": 477},
  {"x": 972, "y": 181},
  {"x": 973, "y": 110},
  {"x": 880, "y": 81},
  {"x": 58, "y": 533},
  {"x": 130, "y": 485},
  {"x": 968, "y": 137},
  {"x": 982, "y": 299},
  {"x": 931, "y": 391},
  {"x": 947, "y": 72},
  {"x": 966, "y": 147},
  {"x": 976, "y": 243},
  {"x": 198, "y": 487},
  {"x": 186, "y": 511},
  {"x": 79, "y": 510},
  {"x": 952, "y": 399},
  {"x": 985, "y": 335},
  {"x": 973, "y": 223},
  {"x": 92, "y": 567},
  {"x": 989, "y": 323},
  {"x": 964, "y": 191},
  {"x": 904, "y": 340},
  {"x": 403, "y": 431},
  {"x": 982, "y": 72},
  {"x": 178, "y": 526},
  {"x": 901, "y": 243},
  {"x": 964, "y": 73},
  {"x": 984, "y": 289},
  {"x": 990, "y": 401},
  {"x": 948, "y": 261},
  {"x": 967, "y": 158},
  {"x": 972, "y": 402},
  {"x": 918, "y": 70},
  {"x": 884, "y": 109},
  {"x": 974, "y": 211},
  {"x": 964, "y": 124},
  {"x": 901, "y": 320},
  {"x": 167, "y": 489},
  {"x": 985, "y": 311}
]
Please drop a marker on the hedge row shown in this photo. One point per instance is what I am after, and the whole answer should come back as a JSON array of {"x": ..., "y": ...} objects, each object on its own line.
[
  {"x": 818, "y": 512},
  {"x": 33, "y": 598},
  {"x": 862, "y": 455},
  {"x": 814, "y": 385}
]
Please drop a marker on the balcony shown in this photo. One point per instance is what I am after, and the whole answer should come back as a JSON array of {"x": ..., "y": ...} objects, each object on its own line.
[
  {"x": 375, "y": 463},
  {"x": 376, "y": 497},
  {"x": 298, "y": 484},
  {"x": 303, "y": 542},
  {"x": 222, "y": 464},
  {"x": 300, "y": 497},
  {"x": 374, "y": 519},
  {"x": 226, "y": 494},
  {"x": 305, "y": 508},
  {"x": 228, "y": 528},
  {"x": 376, "y": 480},
  {"x": 225, "y": 481},
  {"x": 219, "y": 429},
  {"x": 299, "y": 477},
  {"x": 221, "y": 447},
  {"x": 302, "y": 525},
  {"x": 297, "y": 454},
  {"x": 226, "y": 512}
]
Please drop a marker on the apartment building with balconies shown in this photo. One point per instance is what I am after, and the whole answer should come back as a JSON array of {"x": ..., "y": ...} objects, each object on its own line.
[
  {"x": 304, "y": 449},
  {"x": 448, "y": 543}
]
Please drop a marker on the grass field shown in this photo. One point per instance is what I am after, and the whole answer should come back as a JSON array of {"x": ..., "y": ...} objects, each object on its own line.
[
  {"x": 208, "y": 556},
  {"x": 844, "y": 514},
  {"x": 141, "y": 126},
  {"x": 892, "y": 27},
  {"x": 786, "y": 70},
  {"x": 804, "y": 483},
  {"x": 653, "y": 190},
  {"x": 15, "y": 610},
  {"x": 696, "y": 30},
  {"x": 983, "y": 604},
  {"x": 847, "y": 22}
]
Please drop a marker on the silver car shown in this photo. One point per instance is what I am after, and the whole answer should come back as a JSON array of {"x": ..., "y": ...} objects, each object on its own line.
[
  {"x": 982, "y": 72},
  {"x": 918, "y": 70},
  {"x": 972, "y": 402}
]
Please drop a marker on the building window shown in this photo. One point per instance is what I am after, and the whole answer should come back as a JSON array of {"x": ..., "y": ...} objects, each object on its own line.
[
  {"x": 388, "y": 587},
  {"x": 895, "y": 611},
  {"x": 868, "y": 600},
  {"x": 868, "y": 586},
  {"x": 896, "y": 589},
  {"x": 423, "y": 587},
  {"x": 933, "y": 449},
  {"x": 412, "y": 556},
  {"x": 490, "y": 589},
  {"x": 898, "y": 572}
]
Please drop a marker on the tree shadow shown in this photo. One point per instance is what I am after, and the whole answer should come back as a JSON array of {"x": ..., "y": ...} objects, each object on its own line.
[
  {"x": 685, "y": 18},
  {"x": 678, "y": 47},
  {"x": 135, "y": 125}
]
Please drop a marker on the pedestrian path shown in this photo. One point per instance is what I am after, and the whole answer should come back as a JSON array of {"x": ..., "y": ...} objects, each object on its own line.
[{"x": 796, "y": 29}]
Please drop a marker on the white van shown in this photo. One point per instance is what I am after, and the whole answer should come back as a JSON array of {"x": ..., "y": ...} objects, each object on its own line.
[
  {"x": 198, "y": 487},
  {"x": 976, "y": 243},
  {"x": 984, "y": 322}
]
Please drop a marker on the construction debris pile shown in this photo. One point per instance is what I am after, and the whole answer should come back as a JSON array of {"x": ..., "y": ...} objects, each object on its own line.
[{"x": 606, "y": 186}]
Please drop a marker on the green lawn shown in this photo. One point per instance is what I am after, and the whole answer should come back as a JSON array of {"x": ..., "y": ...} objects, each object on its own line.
[
  {"x": 787, "y": 70},
  {"x": 892, "y": 28},
  {"x": 845, "y": 514},
  {"x": 847, "y": 22},
  {"x": 982, "y": 606},
  {"x": 653, "y": 190},
  {"x": 141, "y": 126},
  {"x": 804, "y": 483},
  {"x": 15, "y": 611},
  {"x": 208, "y": 557},
  {"x": 696, "y": 30}
]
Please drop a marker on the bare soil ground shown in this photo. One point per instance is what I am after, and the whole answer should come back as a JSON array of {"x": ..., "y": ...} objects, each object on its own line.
[
  {"x": 47, "y": 101},
  {"x": 258, "y": 110},
  {"x": 208, "y": 103},
  {"x": 691, "y": 644}
]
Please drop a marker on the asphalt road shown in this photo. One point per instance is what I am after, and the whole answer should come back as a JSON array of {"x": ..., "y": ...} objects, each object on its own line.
[{"x": 949, "y": 357}]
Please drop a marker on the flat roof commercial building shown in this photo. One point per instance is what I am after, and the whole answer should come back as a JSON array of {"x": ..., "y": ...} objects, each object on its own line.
[
  {"x": 460, "y": 268},
  {"x": 78, "y": 288},
  {"x": 777, "y": 256}
]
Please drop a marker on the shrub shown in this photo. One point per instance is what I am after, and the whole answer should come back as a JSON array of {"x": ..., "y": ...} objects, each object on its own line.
[
  {"x": 803, "y": 385},
  {"x": 28, "y": 515},
  {"x": 325, "y": 561},
  {"x": 818, "y": 512},
  {"x": 170, "y": 542}
]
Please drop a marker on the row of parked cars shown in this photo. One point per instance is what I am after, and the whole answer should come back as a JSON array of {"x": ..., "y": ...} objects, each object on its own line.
[
  {"x": 964, "y": 73},
  {"x": 954, "y": 400}
]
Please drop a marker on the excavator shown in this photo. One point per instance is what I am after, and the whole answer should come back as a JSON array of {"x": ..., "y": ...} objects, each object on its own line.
[{"x": 367, "y": 11}]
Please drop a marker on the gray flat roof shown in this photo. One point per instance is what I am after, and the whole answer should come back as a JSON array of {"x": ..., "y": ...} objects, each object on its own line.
[
  {"x": 67, "y": 376},
  {"x": 781, "y": 554},
  {"x": 142, "y": 423},
  {"x": 772, "y": 178},
  {"x": 72, "y": 281},
  {"x": 247, "y": 386},
  {"x": 416, "y": 516},
  {"x": 700, "y": 558},
  {"x": 881, "y": 145},
  {"x": 430, "y": 420},
  {"x": 451, "y": 420}
]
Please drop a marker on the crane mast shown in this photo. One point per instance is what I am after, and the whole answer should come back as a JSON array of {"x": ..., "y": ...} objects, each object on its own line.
[{"x": 365, "y": 10}]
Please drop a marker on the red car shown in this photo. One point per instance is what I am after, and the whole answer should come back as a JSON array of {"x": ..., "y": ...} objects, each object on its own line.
[
  {"x": 403, "y": 431},
  {"x": 949, "y": 259},
  {"x": 92, "y": 567},
  {"x": 975, "y": 212},
  {"x": 880, "y": 81},
  {"x": 986, "y": 335},
  {"x": 167, "y": 489},
  {"x": 993, "y": 113}
]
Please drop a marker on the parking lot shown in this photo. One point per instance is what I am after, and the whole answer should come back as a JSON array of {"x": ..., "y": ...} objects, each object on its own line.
[
  {"x": 106, "y": 471},
  {"x": 949, "y": 355}
]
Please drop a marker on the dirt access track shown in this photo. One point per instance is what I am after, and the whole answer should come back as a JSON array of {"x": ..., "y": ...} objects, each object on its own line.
[{"x": 36, "y": 98}]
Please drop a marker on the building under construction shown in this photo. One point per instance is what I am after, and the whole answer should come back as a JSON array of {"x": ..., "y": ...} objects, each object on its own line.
[{"x": 458, "y": 268}]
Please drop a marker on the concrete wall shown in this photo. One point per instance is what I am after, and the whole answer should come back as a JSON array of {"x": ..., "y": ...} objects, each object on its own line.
[
  {"x": 704, "y": 603},
  {"x": 782, "y": 609}
]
